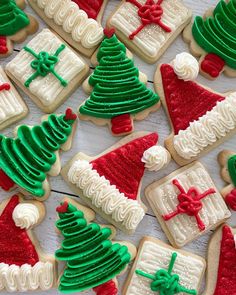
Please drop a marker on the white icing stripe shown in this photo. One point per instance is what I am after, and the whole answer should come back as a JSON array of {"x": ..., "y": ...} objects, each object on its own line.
[
  {"x": 26, "y": 277},
  {"x": 154, "y": 257},
  {"x": 105, "y": 196},
  {"x": 25, "y": 215},
  {"x": 204, "y": 132},
  {"x": 152, "y": 38},
  {"x": 74, "y": 21},
  {"x": 48, "y": 88}
]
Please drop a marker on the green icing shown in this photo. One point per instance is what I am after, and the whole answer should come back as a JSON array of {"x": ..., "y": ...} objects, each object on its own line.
[
  {"x": 27, "y": 158},
  {"x": 217, "y": 34},
  {"x": 91, "y": 257},
  {"x": 117, "y": 89},
  {"x": 232, "y": 168},
  {"x": 12, "y": 18}
]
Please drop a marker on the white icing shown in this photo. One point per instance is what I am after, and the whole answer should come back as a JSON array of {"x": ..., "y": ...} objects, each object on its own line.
[
  {"x": 152, "y": 38},
  {"x": 10, "y": 106},
  {"x": 209, "y": 128},
  {"x": 105, "y": 196},
  {"x": 154, "y": 257},
  {"x": 235, "y": 240},
  {"x": 25, "y": 215},
  {"x": 26, "y": 277},
  {"x": 48, "y": 88},
  {"x": 156, "y": 158},
  {"x": 73, "y": 20},
  {"x": 182, "y": 227},
  {"x": 186, "y": 66}
]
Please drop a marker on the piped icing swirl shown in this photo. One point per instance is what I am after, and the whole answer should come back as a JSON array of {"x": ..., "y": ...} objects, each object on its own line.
[
  {"x": 25, "y": 215},
  {"x": 156, "y": 158},
  {"x": 186, "y": 66}
]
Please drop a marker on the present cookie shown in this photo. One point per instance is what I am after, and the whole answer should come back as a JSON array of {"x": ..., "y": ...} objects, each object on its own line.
[
  {"x": 23, "y": 265},
  {"x": 110, "y": 182},
  {"x": 47, "y": 70},
  {"x": 187, "y": 204},
  {"x": 148, "y": 27},
  {"x": 200, "y": 118}
]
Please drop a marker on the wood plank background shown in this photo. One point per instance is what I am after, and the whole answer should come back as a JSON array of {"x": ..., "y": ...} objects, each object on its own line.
[{"x": 93, "y": 140}]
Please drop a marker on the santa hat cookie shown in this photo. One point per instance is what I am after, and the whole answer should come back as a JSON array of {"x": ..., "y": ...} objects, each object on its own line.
[
  {"x": 87, "y": 249},
  {"x": 27, "y": 159},
  {"x": 148, "y": 27},
  {"x": 187, "y": 204},
  {"x": 161, "y": 269},
  {"x": 110, "y": 183},
  {"x": 76, "y": 21},
  {"x": 200, "y": 118},
  {"x": 212, "y": 38},
  {"x": 15, "y": 25},
  {"x": 221, "y": 272},
  {"x": 23, "y": 266}
]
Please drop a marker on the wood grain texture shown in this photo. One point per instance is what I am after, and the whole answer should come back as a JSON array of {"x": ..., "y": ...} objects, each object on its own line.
[{"x": 92, "y": 140}]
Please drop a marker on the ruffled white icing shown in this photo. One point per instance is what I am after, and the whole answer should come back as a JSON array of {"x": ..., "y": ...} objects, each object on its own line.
[
  {"x": 153, "y": 257},
  {"x": 204, "y": 132},
  {"x": 25, "y": 215},
  {"x": 46, "y": 89},
  {"x": 152, "y": 38},
  {"x": 186, "y": 66},
  {"x": 73, "y": 21},
  {"x": 105, "y": 196},
  {"x": 26, "y": 277},
  {"x": 235, "y": 240},
  {"x": 156, "y": 158}
]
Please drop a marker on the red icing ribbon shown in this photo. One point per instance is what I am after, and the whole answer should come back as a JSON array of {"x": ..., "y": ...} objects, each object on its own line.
[
  {"x": 212, "y": 65},
  {"x": 230, "y": 199},
  {"x": 189, "y": 203},
  {"x": 3, "y": 45},
  {"x": 108, "y": 288},
  {"x": 70, "y": 115},
  {"x": 6, "y": 182},
  {"x": 149, "y": 13},
  {"x": 5, "y": 86},
  {"x": 121, "y": 124},
  {"x": 91, "y": 7}
]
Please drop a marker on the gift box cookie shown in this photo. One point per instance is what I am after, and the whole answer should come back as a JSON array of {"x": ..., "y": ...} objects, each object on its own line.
[
  {"x": 187, "y": 204},
  {"x": 47, "y": 70},
  {"x": 148, "y": 27}
]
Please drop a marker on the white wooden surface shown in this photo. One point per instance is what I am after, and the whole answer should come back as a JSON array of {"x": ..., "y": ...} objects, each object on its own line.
[{"x": 93, "y": 140}]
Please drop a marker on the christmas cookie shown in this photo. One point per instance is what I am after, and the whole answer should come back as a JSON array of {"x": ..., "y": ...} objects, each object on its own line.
[
  {"x": 76, "y": 21},
  {"x": 221, "y": 271},
  {"x": 92, "y": 259},
  {"x": 187, "y": 204},
  {"x": 161, "y": 269},
  {"x": 227, "y": 161},
  {"x": 148, "y": 27},
  {"x": 34, "y": 152},
  {"x": 15, "y": 25},
  {"x": 200, "y": 118},
  {"x": 110, "y": 182},
  {"x": 23, "y": 265},
  {"x": 47, "y": 70},
  {"x": 212, "y": 38},
  {"x": 117, "y": 95},
  {"x": 12, "y": 106}
]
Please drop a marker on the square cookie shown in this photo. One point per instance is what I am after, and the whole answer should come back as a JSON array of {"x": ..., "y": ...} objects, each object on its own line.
[
  {"x": 187, "y": 204},
  {"x": 12, "y": 106},
  {"x": 47, "y": 70},
  {"x": 156, "y": 259}
]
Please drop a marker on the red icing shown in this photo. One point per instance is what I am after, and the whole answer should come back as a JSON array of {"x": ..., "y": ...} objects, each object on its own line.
[
  {"x": 189, "y": 203},
  {"x": 15, "y": 244},
  {"x": 121, "y": 124},
  {"x": 109, "y": 32},
  {"x": 62, "y": 208},
  {"x": 91, "y": 7},
  {"x": 212, "y": 65},
  {"x": 186, "y": 100},
  {"x": 226, "y": 280},
  {"x": 230, "y": 199},
  {"x": 5, "y": 182},
  {"x": 108, "y": 288},
  {"x": 149, "y": 13},
  {"x": 3, "y": 45},
  {"x": 70, "y": 115},
  {"x": 123, "y": 166},
  {"x": 5, "y": 86}
]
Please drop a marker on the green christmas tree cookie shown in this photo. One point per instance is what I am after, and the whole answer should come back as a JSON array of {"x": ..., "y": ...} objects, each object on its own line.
[{"x": 118, "y": 96}]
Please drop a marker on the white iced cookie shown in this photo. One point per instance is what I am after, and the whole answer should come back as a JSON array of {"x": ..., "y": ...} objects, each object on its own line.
[
  {"x": 26, "y": 215},
  {"x": 186, "y": 66},
  {"x": 156, "y": 158}
]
